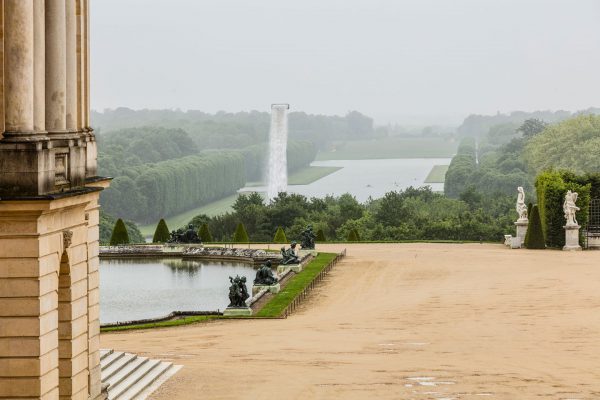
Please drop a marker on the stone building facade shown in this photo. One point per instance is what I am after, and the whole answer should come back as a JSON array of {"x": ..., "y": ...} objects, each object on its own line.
[{"x": 49, "y": 212}]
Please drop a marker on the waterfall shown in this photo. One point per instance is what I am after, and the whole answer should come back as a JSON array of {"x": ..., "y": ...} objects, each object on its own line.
[{"x": 277, "y": 168}]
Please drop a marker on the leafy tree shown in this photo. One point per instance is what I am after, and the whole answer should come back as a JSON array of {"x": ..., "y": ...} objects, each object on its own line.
[
  {"x": 321, "y": 236},
  {"x": 161, "y": 234},
  {"x": 119, "y": 234},
  {"x": 356, "y": 235},
  {"x": 532, "y": 127},
  {"x": 204, "y": 234},
  {"x": 240, "y": 235},
  {"x": 534, "y": 239},
  {"x": 280, "y": 236}
]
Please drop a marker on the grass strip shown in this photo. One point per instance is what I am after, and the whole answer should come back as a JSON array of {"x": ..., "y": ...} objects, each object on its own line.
[
  {"x": 162, "y": 324},
  {"x": 437, "y": 174},
  {"x": 295, "y": 286}
]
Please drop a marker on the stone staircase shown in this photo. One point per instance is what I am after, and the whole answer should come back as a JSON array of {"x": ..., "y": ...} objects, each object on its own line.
[{"x": 132, "y": 377}]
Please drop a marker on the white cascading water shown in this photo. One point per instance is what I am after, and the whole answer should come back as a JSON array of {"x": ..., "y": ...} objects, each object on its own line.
[{"x": 277, "y": 168}]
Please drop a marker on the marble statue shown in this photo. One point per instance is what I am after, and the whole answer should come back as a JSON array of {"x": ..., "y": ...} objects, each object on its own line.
[
  {"x": 264, "y": 275},
  {"x": 521, "y": 206},
  {"x": 570, "y": 208},
  {"x": 307, "y": 238},
  {"x": 289, "y": 256},
  {"x": 238, "y": 293}
]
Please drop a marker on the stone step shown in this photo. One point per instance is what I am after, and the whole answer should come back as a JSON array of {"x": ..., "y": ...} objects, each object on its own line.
[
  {"x": 120, "y": 361},
  {"x": 124, "y": 373},
  {"x": 161, "y": 372},
  {"x": 132, "y": 378},
  {"x": 108, "y": 363},
  {"x": 105, "y": 353}
]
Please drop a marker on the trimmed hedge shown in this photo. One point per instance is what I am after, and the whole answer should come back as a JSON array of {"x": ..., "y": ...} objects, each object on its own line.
[
  {"x": 534, "y": 239},
  {"x": 204, "y": 234},
  {"x": 119, "y": 234},
  {"x": 240, "y": 235},
  {"x": 551, "y": 187},
  {"x": 161, "y": 234},
  {"x": 320, "y": 236},
  {"x": 280, "y": 236}
]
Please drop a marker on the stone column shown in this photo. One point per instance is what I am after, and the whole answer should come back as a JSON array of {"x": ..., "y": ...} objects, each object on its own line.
[
  {"x": 18, "y": 66},
  {"x": 56, "y": 84},
  {"x": 39, "y": 66},
  {"x": 86, "y": 42},
  {"x": 71, "y": 66}
]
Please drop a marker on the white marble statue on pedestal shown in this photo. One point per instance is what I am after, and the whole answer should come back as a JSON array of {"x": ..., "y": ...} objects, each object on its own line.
[
  {"x": 570, "y": 208},
  {"x": 521, "y": 206},
  {"x": 571, "y": 227}
]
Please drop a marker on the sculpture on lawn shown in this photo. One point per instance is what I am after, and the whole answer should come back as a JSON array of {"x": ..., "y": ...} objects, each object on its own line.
[
  {"x": 187, "y": 236},
  {"x": 521, "y": 206},
  {"x": 307, "y": 238},
  {"x": 289, "y": 256},
  {"x": 265, "y": 276},
  {"x": 570, "y": 208},
  {"x": 238, "y": 293}
]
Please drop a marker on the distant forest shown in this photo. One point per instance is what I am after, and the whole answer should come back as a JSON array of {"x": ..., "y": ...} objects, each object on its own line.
[
  {"x": 165, "y": 162},
  {"x": 237, "y": 130}
]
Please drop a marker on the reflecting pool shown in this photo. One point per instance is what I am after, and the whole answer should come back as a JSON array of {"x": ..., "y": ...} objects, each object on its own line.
[{"x": 133, "y": 289}]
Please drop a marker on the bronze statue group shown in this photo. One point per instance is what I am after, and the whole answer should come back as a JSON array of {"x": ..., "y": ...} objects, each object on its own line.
[{"x": 238, "y": 292}]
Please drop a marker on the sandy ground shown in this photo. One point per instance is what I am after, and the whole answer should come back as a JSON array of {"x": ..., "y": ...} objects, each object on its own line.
[{"x": 405, "y": 321}]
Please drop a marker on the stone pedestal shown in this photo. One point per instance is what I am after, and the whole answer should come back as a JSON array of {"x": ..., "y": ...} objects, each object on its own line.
[
  {"x": 237, "y": 312},
  {"x": 275, "y": 288},
  {"x": 572, "y": 238},
  {"x": 283, "y": 269},
  {"x": 515, "y": 242},
  {"x": 521, "y": 225}
]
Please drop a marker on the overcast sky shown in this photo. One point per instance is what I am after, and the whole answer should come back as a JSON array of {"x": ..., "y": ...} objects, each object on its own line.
[{"x": 396, "y": 60}]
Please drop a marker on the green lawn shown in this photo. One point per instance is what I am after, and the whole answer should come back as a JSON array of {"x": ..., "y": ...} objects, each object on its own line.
[
  {"x": 390, "y": 148},
  {"x": 305, "y": 176},
  {"x": 437, "y": 174},
  {"x": 179, "y": 220},
  {"x": 163, "y": 324},
  {"x": 295, "y": 286}
]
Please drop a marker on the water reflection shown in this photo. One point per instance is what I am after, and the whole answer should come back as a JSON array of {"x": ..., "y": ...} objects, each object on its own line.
[{"x": 133, "y": 289}]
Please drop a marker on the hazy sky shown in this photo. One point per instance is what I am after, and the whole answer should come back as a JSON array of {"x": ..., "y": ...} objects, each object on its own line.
[{"x": 396, "y": 60}]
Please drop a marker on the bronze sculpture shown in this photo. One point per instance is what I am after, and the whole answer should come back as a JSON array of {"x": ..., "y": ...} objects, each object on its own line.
[
  {"x": 307, "y": 238},
  {"x": 289, "y": 256},
  {"x": 238, "y": 293},
  {"x": 264, "y": 275},
  {"x": 189, "y": 236}
]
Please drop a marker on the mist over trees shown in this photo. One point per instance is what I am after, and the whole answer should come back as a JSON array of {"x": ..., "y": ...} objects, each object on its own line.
[{"x": 236, "y": 130}]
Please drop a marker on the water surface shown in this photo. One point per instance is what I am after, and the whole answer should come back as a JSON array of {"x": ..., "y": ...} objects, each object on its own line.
[{"x": 132, "y": 289}]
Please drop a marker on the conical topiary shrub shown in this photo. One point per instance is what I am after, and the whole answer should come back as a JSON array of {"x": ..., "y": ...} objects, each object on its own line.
[
  {"x": 240, "y": 235},
  {"x": 529, "y": 208},
  {"x": 352, "y": 236},
  {"x": 204, "y": 234},
  {"x": 280, "y": 236},
  {"x": 161, "y": 234},
  {"x": 119, "y": 234},
  {"x": 320, "y": 236},
  {"x": 534, "y": 239}
]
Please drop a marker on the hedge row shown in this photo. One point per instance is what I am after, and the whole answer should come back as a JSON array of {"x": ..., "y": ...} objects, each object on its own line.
[
  {"x": 148, "y": 192},
  {"x": 551, "y": 187}
]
